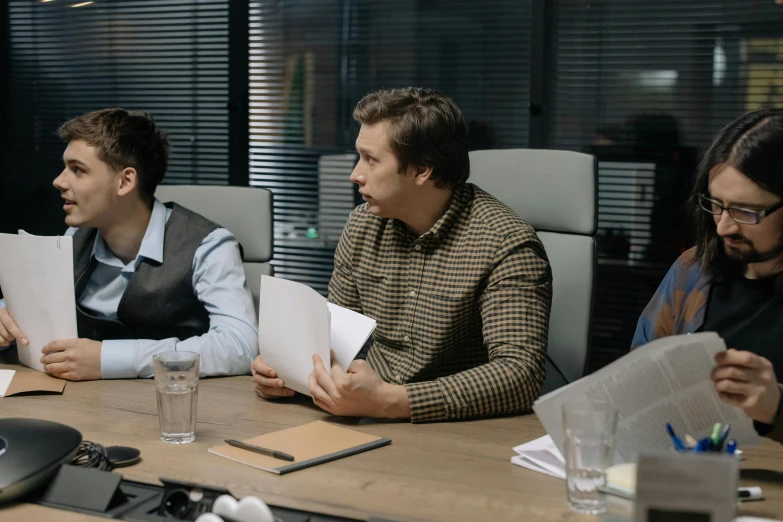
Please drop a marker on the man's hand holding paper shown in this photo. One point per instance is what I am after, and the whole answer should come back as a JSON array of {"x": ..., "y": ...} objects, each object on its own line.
[
  {"x": 356, "y": 391},
  {"x": 73, "y": 359},
  {"x": 296, "y": 323},
  {"x": 267, "y": 383},
  {"x": 9, "y": 330},
  {"x": 748, "y": 381}
]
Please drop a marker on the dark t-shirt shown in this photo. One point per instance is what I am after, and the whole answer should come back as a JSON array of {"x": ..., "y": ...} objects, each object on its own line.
[{"x": 748, "y": 315}]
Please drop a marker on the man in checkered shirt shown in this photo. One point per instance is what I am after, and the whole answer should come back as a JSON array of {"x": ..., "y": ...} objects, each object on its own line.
[{"x": 460, "y": 286}]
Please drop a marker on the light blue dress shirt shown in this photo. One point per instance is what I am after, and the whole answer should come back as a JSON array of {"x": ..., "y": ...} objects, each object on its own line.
[{"x": 231, "y": 343}]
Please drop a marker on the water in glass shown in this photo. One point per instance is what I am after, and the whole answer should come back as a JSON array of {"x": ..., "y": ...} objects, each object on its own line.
[
  {"x": 588, "y": 443},
  {"x": 176, "y": 380}
]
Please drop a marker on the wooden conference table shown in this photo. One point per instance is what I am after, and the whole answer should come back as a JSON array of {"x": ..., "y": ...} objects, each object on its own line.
[{"x": 447, "y": 471}]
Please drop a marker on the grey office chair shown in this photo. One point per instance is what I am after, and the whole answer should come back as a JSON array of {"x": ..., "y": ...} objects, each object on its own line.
[
  {"x": 245, "y": 211},
  {"x": 555, "y": 191}
]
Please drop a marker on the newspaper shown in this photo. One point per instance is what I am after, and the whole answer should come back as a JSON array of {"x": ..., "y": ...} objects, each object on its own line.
[{"x": 667, "y": 380}]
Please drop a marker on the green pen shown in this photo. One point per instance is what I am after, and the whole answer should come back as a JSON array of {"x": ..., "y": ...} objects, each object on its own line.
[{"x": 715, "y": 439}]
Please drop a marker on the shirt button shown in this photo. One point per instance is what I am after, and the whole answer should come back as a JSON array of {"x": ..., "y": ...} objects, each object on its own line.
[
  {"x": 407, "y": 338},
  {"x": 417, "y": 247},
  {"x": 413, "y": 293},
  {"x": 398, "y": 377}
]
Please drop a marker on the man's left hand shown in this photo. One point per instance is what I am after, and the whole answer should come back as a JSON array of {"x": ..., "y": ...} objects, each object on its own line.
[
  {"x": 356, "y": 392},
  {"x": 73, "y": 359}
]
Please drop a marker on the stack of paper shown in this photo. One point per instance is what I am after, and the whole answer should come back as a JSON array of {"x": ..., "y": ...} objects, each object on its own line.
[
  {"x": 295, "y": 322},
  {"x": 36, "y": 275},
  {"x": 540, "y": 455}
]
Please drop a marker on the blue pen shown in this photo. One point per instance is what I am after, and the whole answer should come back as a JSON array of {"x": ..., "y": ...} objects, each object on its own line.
[
  {"x": 678, "y": 445},
  {"x": 724, "y": 433},
  {"x": 731, "y": 447}
]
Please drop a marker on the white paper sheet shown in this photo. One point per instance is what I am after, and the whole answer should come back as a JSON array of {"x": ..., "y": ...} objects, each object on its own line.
[
  {"x": 540, "y": 455},
  {"x": 36, "y": 275},
  {"x": 6, "y": 376},
  {"x": 295, "y": 322},
  {"x": 349, "y": 331}
]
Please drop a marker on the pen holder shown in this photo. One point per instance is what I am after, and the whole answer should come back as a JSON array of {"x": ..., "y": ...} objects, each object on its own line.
[
  {"x": 703, "y": 446},
  {"x": 718, "y": 443}
]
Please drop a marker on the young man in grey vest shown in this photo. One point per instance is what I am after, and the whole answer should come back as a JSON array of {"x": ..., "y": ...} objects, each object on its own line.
[{"x": 149, "y": 277}]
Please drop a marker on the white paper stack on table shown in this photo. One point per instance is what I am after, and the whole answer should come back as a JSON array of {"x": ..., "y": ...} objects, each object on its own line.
[
  {"x": 36, "y": 275},
  {"x": 295, "y": 322},
  {"x": 540, "y": 455},
  {"x": 667, "y": 380}
]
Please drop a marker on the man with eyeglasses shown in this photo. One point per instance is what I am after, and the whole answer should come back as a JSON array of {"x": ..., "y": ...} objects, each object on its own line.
[{"x": 731, "y": 282}]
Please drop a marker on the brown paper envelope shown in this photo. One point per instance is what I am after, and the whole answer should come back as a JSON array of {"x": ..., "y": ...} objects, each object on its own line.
[{"x": 24, "y": 382}]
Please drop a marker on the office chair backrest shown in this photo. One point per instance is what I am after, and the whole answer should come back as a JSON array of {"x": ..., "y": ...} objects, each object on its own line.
[
  {"x": 245, "y": 211},
  {"x": 555, "y": 191}
]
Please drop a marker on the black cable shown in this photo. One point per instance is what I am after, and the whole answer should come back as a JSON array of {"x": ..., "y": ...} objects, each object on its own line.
[{"x": 92, "y": 455}]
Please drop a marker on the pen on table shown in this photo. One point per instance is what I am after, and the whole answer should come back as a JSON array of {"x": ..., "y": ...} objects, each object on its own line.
[
  {"x": 752, "y": 493},
  {"x": 258, "y": 449},
  {"x": 678, "y": 445}
]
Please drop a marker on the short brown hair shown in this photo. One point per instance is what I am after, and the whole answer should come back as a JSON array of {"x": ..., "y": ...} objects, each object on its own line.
[
  {"x": 427, "y": 129},
  {"x": 124, "y": 139}
]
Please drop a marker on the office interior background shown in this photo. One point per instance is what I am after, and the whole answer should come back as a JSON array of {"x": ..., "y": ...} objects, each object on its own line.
[{"x": 260, "y": 93}]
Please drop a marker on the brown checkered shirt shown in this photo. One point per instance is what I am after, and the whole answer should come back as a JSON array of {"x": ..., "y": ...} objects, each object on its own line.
[{"x": 462, "y": 311}]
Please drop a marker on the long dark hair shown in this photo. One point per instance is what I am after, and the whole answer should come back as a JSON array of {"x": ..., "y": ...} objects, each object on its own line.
[{"x": 752, "y": 144}]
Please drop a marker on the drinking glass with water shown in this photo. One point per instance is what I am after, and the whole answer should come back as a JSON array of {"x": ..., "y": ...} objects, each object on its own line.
[
  {"x": 176, "y": 380},
  {"x": 588, "y": 429}
]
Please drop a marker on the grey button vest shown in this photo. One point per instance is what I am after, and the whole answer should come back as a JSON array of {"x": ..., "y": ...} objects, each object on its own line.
[{"x": 159, "y": 301}]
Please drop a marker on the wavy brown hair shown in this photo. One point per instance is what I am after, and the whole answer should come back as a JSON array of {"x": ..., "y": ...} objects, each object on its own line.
[{"x": 427, "y": 129}]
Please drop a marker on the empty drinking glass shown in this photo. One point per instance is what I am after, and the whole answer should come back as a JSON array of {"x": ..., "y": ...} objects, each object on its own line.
[
  {"x": 176, "y": 380},
  {"x": 588, "y": 429}
]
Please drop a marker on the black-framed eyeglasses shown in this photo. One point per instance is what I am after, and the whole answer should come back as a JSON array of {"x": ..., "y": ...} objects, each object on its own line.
[{"x": 745, "y": 216}]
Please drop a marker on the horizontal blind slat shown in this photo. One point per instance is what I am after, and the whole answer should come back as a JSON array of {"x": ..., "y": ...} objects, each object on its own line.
[
  {"x": 301, "y": 131},
  {"x": 168, "y": 57}
]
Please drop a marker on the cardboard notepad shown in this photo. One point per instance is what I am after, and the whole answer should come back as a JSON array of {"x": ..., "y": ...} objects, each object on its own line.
[
  {"x": 310, "y": 445},
  {"x": 13, "y": 382}
]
